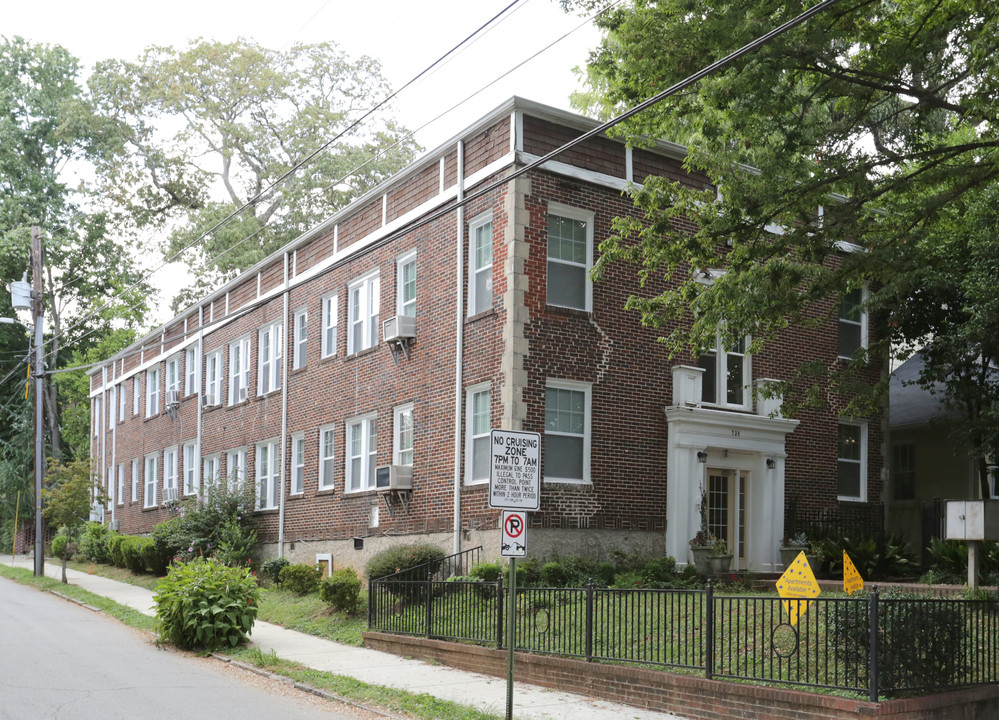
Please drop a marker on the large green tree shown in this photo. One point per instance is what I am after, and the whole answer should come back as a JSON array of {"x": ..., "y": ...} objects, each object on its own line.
[
  {"x": 872, "y": 128},
  {"x": 216, "y": 125}
]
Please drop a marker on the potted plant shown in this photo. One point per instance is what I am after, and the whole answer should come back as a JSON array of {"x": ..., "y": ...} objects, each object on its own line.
[
  {"x": 719, "y": 557},
  {"x": 790, "y": 547},
  {"x": 700, "y": 549}
]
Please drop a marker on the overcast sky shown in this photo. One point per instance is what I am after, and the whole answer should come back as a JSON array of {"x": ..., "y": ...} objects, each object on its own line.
[{"x": 404, "y": 35}]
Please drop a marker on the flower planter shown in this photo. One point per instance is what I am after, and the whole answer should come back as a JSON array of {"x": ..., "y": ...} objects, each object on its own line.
[
  {"x": 700, "y": 554},
  {"x": 718, "y": 564},
  {"x": 788, "y": 553}
]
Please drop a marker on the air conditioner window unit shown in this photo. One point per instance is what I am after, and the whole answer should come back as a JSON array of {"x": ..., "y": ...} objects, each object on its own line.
[
  {"x": 208, "y": 401},
  {"x": 400, "y": 327},
  {"x": 172, "y": 397},
  {"x": 170, "y": 494},
  {"x": 243, "y": 394},
  {"x": 394, "y": 477}
]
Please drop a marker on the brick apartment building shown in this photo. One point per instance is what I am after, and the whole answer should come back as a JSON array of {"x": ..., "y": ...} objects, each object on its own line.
[{"x": 398, "y": 332}]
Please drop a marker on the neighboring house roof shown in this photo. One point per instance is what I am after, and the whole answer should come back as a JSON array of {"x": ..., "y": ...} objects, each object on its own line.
[{"x": 910, "y": 403}]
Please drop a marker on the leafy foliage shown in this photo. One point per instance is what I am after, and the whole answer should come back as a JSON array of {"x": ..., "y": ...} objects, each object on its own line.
[
  {"x": 404, "y": 557},
  {"x": 875, "y": 560},
  {"x": 205, "y": 604},
  {"x": 216, "y": 523},
  {"x": 95, "y": 542},
  {"x": 302, "y": 579},
  {"x": 271, "y": 569},
  {"x": 341, "y": 590}
]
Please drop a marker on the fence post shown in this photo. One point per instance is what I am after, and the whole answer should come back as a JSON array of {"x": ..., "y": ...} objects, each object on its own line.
[
  {"x": 430, "y": 602},
  {"x": 589, "y": 620},
  {"x": 499, "y": 612},
  {"x": 709, "y": 624},
  {"x": 371, "y": 600},
  {"x": 872, "y": 620}
]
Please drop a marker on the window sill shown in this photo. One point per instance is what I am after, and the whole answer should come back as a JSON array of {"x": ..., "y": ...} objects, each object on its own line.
[
  {"x": 568, "y": 482},
  {"x": 265, "y": 511},
  {"x": 482, "y": 315},
  {"x": 569, "y": 311},
  {"x": 855, "y": 500},
  {"x": 298, "y": 370},
  {"x": 328, "y": 358},
  {"x": 326, "y": 490},
  {"x": 269, "y": 393},
  {"x": 365, "y": 351}
]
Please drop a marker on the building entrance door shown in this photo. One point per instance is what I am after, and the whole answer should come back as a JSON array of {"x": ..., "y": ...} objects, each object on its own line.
[{"x": 727, "y": 493}]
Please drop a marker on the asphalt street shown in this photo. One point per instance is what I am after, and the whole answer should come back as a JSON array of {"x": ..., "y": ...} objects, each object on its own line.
[{"x": 61, "y": 661}]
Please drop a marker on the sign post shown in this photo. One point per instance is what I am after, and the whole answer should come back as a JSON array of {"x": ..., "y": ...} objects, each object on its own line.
[{"x": 514, "y": 487}]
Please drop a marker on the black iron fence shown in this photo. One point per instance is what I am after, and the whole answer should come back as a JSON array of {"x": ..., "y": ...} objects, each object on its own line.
[{"x": 873, "y": 645}]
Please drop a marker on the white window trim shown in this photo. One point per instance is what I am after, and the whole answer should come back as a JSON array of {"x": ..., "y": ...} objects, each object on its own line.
[
  {"x": 473, "y": 270},
  {"x": 122, "y": 389},
  {"x": 236, "y": 463},
  {"x": 329, "y": 315},
  {"x": 862, "y": 323},
  {"x": 214, "y": 377},
  {"x": 112, "y": 402},
  {"x": 368, "y": 454},
  {"x": 192, "y": 374},
  {"x": 297, "y": 439},
  {"x": 136, "y": 394},
  {"x": 266, "y": 475},
  {"x": 862, "y": 497},
  {"x": 152, "y": 392},
  {"x": 191, "y": 478},
  {"x": 587, "y": 216},
  {"x": 172, "y": 364},
  {"x": 120, "y": 499},
  {"x": 400, "y": 263},
  {"x": 300, "y": 352},
  {"x": 368, "y": 311},
  {"x": 212, "y": 479},
  {"x": 135, "y": 479},
  {"x": 325, "y": 483},
  {"x": 587, "y": 389},
  {"x": 721, "y": 375},
  {"x": 239, "y": 380},
  {"x": 269, "y": 366},
  {"x": 470, "y": 437},
  {"x": 170, "y": 468},
  {"x": 150, "y": 479},
  {"x": 397, "y": 413}
]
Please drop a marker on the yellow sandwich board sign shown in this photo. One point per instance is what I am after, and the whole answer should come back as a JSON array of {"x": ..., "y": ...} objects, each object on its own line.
[
  {"x": 797, "y": 586},
  {"x": 852, "y": 582}
]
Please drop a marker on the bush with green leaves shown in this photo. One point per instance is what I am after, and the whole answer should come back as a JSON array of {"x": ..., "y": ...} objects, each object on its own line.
[
  {"x": 554, "y": 575},
  {"x": 404, "y": 557},
  {"x": 61, "y": 545},
  {"x": 875, "y": 560},
  {"x": 155, "y": 557},
  {"x": 487, "y": 571},
  {"x": 115, "y": 551},
  {"x": 341, "y": 589},
  {"x": 94, "y": 542},
  {"x": 271, "y": 569},
  {"x": 206, "y": 604},
  {"x": 134, "y": 551},
  {"x": 302, "y": 579},
  {"x": 215, "y": 523}
]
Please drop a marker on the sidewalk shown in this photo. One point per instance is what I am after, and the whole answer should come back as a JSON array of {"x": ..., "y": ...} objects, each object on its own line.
[{"x": 480, "y": 691}]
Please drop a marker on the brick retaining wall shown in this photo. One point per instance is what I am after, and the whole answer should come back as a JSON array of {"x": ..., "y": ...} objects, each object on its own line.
[{"x": 692, "y": 697}]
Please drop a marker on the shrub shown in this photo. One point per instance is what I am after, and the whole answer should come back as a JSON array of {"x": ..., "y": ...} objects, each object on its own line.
[
  {"x": 94, "y": 542},
  {"x": 874, "y": 560},
  {"x": 115, "y": 551},
  {"x": 273, "y": 567},
  {"x": 155, "y": 557},
  {"x": 487, "y": 571},
  {"x": 302, "y": 579},
  {"x": 553, "y": 575},
  {"x": 60, "y": 545},
  {"x": 215, "y": 523},
  {"x": 205, "y": 604},
  {"x": 341, "y": 589},
  {"x": 403, "y": 557},
  {"x": 133, "y": 549}
]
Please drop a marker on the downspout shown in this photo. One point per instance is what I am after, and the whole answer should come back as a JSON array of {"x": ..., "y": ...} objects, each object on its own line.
[
  {"x": 459, "y": 327},
  {"x": 102, "y": 424},
  {"x": 200, "y": 396},
  {"x": 284, "y": 409},
  {"x": 113, "y": 416}
]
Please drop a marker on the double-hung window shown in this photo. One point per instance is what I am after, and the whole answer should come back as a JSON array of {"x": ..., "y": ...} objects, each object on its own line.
[
  {"x": 152, "y": 470},
  {"x": 190, "y": 468},
  {"x": 135, "y": 480},
  {"x": 136, "y": 394},
  {"x": 120, "y": 494},
  {"x": 269, "y": 365},
  {"x": 567, "y": 431},
  {"x": 152, "y": 392},
  {"x": 191, "y": 374},
  {"x": 212, "y": 471},
  {"x": 363, "y": 294},
  {"x": 329, "y": 325},
  {"x": 298, "y": 463},
  {"x": 851, "y": 461},
  {"x": 478, "y": 423},
  {"x": 402, "y": 435},
  {"x": 236, "y": 468},
  {"x": 121, "y": 402},
  {"x": 213, "y": 378},
  {"x": 480, "y": 257},
  {"x": 300, "y": 328},
  {"x": 362, "y": 435},
  {"x": 268, "y": 461},
  {"x": 173, "y": 380},
  {"x": 852, "y": 330},
  {"x": 570, "y": 253},
  {"x": 96, "y": 424},
  {"x": 170, "y": 473},
  {"x": 112, "y": 403},
  {"x": 326, "y": 445},
  {"x": 405, "y": 291},
  {"x": 239, "y": 370},
  {"x": 727, "y": 375},
  {"x": 904, "y": 471}
]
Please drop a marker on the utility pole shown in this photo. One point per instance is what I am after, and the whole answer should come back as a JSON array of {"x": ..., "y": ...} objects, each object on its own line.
[{"x": 37, "y": 311}]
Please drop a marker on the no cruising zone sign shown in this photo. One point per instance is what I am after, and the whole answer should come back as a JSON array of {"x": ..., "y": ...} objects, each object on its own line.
[{"x": 514, "y": 470}]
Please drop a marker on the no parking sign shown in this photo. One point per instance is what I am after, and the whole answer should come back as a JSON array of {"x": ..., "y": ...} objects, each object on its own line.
[{"x": 514, "y": 534}]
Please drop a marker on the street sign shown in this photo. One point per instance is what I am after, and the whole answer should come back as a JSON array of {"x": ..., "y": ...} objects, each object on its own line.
[
  {"x": 514, "y": 534},
  {"x": 797, "y": 586},
  {"x": 514, "y": 470}
]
